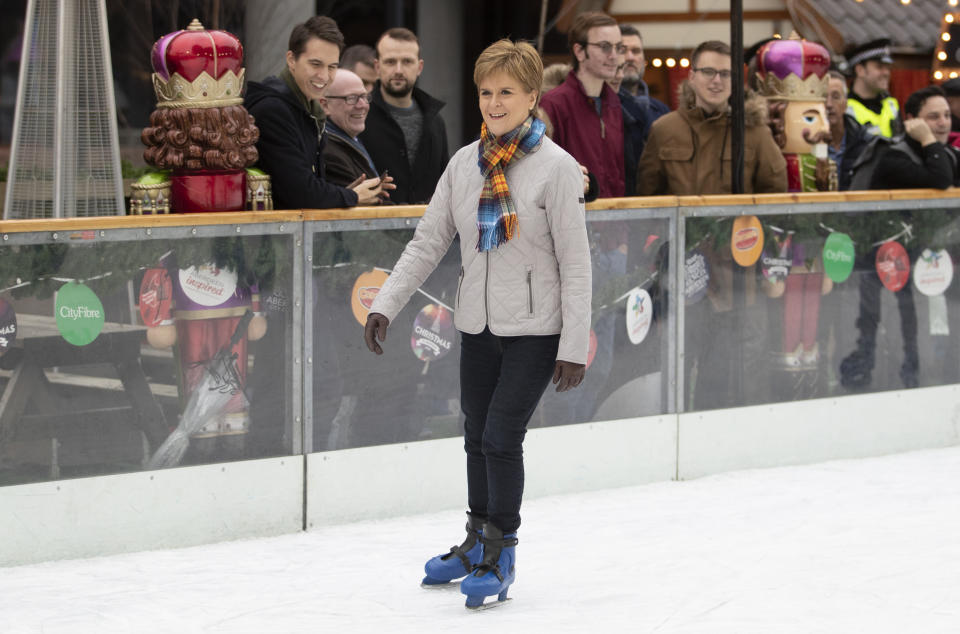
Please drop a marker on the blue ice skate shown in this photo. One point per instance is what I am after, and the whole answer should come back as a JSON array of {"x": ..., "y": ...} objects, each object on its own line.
[
  {"x": 494, "y": 574},
  {"x": 443, "y": 569}
]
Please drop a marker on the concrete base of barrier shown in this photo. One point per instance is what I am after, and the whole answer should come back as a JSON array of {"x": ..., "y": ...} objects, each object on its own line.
[
  {"x": 805, "y": 432},
  {"x": 197, "y": 505},
  {"x": 150, "y": 510},
  {"x": 392, "y": 480}
]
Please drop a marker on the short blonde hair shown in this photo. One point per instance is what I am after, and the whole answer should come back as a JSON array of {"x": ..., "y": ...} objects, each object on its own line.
[{"x": 517, "y": 59}]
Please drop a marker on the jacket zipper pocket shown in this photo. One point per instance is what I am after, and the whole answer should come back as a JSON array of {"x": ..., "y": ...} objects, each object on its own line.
[
  {"x": 530, "y": 292},
  {"x": 459, "y": 286}
]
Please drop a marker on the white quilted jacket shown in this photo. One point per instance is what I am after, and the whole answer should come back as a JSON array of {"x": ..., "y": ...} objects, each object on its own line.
[{"x": 538, "y": 283}]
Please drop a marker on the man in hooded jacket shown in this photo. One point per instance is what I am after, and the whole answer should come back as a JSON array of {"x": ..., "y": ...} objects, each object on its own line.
[{"x": 688, "y": 151}]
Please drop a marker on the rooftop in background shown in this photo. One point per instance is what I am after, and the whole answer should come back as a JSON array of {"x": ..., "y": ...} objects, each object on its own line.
[{"x": 839, "y": 24}]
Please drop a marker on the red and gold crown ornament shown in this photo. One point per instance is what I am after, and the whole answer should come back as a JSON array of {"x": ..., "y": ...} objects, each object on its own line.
[
  {"x": 793, "y": 69},
  {"x": 197, "y": 68}
]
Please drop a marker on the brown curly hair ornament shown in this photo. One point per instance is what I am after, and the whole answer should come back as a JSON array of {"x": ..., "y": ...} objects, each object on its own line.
[{"x": 201, "y": 138}]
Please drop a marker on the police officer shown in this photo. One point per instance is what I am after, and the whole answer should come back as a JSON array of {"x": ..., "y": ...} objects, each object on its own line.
[{"x": 869, "y": 101}]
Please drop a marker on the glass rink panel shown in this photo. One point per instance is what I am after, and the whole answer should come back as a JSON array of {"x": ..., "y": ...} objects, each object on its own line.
[
  {"x": 121, "y": 354},
  {"x": 816, "y": 305},
  {"x": 412, "y": 391}
]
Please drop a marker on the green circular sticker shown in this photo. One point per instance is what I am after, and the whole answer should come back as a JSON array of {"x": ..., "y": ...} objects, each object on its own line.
[
  {"x": 79, "y": 313},
  {"x": 838, "y": 256}
]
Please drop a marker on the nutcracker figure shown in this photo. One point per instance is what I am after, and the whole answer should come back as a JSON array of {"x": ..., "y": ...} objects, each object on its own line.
[
  {"x": 792, "y": 75},
  {"x": 201, "y": 138}
]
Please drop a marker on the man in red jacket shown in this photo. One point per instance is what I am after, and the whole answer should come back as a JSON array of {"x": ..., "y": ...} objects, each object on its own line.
[{"x": 584, "y": 110}]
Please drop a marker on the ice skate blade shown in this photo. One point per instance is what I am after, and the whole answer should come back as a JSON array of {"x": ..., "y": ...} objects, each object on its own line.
[
  {"x": 496, "y": 603},
  {"x": 442, "y": 585}
]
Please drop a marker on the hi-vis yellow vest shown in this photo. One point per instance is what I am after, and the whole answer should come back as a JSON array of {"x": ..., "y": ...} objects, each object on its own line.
[{"x": 876, "y": 123}]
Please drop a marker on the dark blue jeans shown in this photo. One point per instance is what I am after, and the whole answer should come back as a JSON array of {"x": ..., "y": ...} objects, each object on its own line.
[{"x": 501, "y": 382}]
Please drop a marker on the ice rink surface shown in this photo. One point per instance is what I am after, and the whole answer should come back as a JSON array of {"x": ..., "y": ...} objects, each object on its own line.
[{"x": 853, "y": 546}]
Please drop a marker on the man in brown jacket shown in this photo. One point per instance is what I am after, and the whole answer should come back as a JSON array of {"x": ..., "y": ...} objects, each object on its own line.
[{"x": 688, "y": 152}]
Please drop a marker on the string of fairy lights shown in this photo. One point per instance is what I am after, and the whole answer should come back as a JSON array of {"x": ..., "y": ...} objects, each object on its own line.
[{"x": 946, "y": 56}]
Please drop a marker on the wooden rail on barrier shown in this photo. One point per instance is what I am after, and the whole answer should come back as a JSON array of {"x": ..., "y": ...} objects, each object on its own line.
[{"x": 415, "y": 211}]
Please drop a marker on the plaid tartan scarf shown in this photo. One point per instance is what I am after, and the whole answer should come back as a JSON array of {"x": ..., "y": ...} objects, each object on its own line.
[{"x": 496, "y": 214}]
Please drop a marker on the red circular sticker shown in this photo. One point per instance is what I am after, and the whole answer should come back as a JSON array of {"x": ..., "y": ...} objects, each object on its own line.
[
  {"x": 156, "y": 290},
  {"x": 893, "y": 265}
]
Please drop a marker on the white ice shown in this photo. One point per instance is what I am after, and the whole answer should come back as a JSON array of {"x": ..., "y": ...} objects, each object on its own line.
[{"x": 854, "y": 546}]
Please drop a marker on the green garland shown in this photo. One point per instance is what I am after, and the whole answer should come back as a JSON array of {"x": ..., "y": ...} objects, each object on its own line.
[{"x": 39, "y": 270}]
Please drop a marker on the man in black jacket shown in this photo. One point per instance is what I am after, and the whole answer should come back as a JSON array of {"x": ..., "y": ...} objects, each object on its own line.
[
  {"x": 405, "y": 133},
  {"x": 922, "y": 158},
  {"x": 291, "y": 123}
]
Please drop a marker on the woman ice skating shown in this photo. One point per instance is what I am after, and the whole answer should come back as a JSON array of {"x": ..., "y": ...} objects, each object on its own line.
[{"x": 523, "y": 302}]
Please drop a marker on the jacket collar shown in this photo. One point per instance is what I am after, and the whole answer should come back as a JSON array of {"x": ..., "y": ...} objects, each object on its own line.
[
  {"x": 606, "y": 93},
  {"x": 428, "y": 105},
  {"x": 309, "y": 105}
]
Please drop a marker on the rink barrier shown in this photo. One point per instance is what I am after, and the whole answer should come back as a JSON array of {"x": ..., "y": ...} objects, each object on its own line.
[{"x": 99, "y": 515}]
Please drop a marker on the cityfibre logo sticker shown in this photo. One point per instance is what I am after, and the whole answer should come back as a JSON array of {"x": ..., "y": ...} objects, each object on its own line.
[
  {"x": 79, "y": 313},
  {"x": 838, "y": 256}
]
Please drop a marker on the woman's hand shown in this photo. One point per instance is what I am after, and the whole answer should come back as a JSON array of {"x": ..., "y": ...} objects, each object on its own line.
[
  {"x": 566, "y": 376},
  {"x": 376, "y": 328},
  {"x": 586, "y": 178}
]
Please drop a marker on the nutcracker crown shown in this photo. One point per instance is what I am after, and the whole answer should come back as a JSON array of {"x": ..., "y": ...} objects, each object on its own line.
[
  {"x": 793, "y": 70},
  {"x": 197, "y": 68}
]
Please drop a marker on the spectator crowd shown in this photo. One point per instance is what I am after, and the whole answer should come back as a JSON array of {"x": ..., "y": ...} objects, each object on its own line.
[{"x": 344, "y": 126}]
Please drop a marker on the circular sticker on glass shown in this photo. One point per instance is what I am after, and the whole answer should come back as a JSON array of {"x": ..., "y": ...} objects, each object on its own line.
[
  {"x": 893, "y": 265},
  {"x": 156, "y": 291},
  {"x": 208, "y": 285},
  {"x": 775, "y": 264},
  {"x": 639, "y": 315},
  {"x": 591, "y": 349},
  {"x": 364, "y": 291},
  {"x": 696, "y": 276},
  {"x": 933, "y": 272},
  {"x": 838, "y": 256},
  {"x": 8, "y": 326},
  {"x": 746, "y": 241},
  {"x": 433, "y": 333},
  {"x": 79, "y": 313}
]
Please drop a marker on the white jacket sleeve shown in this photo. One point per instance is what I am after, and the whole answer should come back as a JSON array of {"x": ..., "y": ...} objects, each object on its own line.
[
  {"x": 568, "y": 227},
  {"x": 434, "y": 234}
]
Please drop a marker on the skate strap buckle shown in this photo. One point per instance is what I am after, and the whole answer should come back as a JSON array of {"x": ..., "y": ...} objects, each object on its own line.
[
  {"x": 483, "y": 568},
  {"x": 461, "y": 555}
]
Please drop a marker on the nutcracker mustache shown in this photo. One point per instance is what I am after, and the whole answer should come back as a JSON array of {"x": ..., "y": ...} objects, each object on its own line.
[{"x": 813, "y": 138}]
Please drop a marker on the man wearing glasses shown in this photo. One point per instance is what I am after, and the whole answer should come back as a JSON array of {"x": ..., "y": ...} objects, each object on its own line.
[
  {"x": 688, "y": 151},
  {"x": 291, "y": 121},
  {"x": 585, "y": 110},
  {"x": 346, "y": 104}
]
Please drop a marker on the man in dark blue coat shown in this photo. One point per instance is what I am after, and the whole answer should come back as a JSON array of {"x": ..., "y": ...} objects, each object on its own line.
[
  {"x": 640, "y": 110},
  {"x": 291, "y": 123}
]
